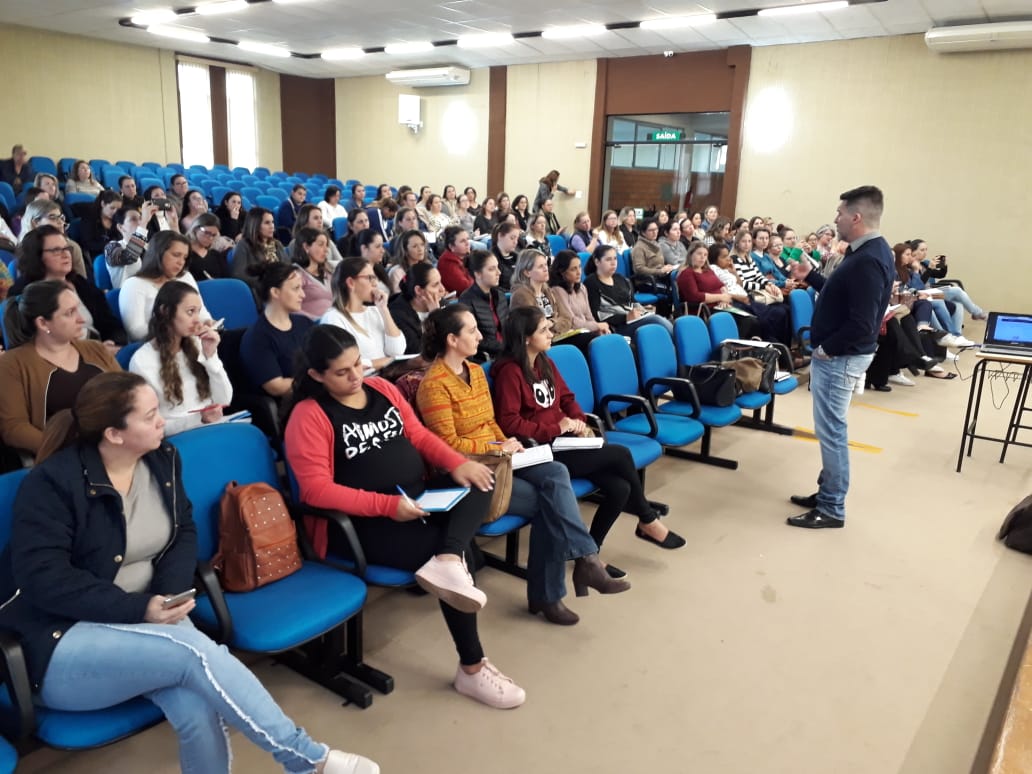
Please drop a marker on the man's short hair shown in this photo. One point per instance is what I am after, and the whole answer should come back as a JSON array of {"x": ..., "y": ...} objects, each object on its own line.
[
  {"x": 176, "y": 177},
  {"x": 298, "y": 187},
  {"x": 868, "y": 200},
  {"x": 355, "y": 187},
  {"x": 123, "y": 178},
  {"x": 17, "y": 149}
]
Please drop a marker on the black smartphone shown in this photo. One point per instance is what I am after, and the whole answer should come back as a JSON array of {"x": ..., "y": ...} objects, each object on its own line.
[{"x": 177, "y": 599}]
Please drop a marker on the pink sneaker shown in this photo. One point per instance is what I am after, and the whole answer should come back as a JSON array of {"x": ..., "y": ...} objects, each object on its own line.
[
  {"x": 451, "y": 583},
  {"x": 338, "y": 762},
  {"x": 490, "y": 687}
]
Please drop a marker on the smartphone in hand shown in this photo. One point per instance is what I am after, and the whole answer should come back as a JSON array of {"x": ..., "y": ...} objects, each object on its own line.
[{"x": 177, "y": 599}]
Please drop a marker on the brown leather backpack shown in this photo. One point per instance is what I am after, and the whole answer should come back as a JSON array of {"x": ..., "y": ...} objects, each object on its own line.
[{"x": 257, "y": 538}]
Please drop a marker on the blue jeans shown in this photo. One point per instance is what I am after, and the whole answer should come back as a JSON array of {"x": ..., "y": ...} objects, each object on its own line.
[
  {"x": 627, "y": 329},
  {"x": 832, "y": 382},
  {"x": 200, "y": 686},
  {"x": 542, "y": 493},
  {"x": 947, "y": 318},
  {"x": 960, "y": 297}
]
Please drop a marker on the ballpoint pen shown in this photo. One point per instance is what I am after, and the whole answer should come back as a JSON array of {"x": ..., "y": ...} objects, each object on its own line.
[{"x": 409, "y": 500}]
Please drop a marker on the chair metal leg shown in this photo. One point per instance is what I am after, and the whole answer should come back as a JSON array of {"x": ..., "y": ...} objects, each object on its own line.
[{"x": 510, "y": 563}]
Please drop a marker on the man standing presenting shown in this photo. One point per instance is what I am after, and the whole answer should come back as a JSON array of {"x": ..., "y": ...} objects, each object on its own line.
[{"x": 844, "y": 335}]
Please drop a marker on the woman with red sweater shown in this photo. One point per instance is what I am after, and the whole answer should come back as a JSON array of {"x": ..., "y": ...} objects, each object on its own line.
[
  {"x": 356, "y": 446},
  {"x": 532, "y": 401},
  {"x": 452, "y": 263}
]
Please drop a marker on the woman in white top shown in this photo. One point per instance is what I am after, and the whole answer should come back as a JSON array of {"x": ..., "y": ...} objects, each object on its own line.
[
  {"x": 81, "y": 180},
  {"x": 436, "y": 218},
  {"x": 609, "y": 233},
  {"x": 311, "y": 252},
  {"x": 330, "y": 206},
  {"x": 164, "y": 260},
  {"x": 408, "y": 250},
  {"x": 180, "y": 360},
  {"x": 354, "y": 287}
]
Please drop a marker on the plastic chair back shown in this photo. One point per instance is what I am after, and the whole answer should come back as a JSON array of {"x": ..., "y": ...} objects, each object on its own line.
[
  {"x": 557, "y": 242},
  {"x": 571, "y": 365},
  {"x": 229, "y": 298},
  {"x": 101, "y": 275},
  {"x": 691, "y": 340},
  {"x": 125, "y": 354},
  {"x": 612, "y": 368},
  {"x": 656, "y": 356},
  {"x": 722, "y": 327}
]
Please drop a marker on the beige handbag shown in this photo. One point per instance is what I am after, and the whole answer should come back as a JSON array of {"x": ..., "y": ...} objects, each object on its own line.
[{"x": 501, "y": 464}]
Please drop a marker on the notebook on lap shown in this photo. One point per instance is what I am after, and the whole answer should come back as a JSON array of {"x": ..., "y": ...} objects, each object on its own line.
[{"x": 1008, "y": 334}]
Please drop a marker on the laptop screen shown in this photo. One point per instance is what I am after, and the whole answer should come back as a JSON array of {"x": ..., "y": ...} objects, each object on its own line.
[{"x": 1009, "y": 329}]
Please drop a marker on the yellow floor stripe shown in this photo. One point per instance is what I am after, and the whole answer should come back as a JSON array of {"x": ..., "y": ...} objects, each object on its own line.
[
  {"x": 886, "y": 410},
  {"x": 806, "y": 434}
]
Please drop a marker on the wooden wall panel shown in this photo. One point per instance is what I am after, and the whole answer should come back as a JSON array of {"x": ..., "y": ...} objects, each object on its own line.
[{"x": 308, "y": 115}]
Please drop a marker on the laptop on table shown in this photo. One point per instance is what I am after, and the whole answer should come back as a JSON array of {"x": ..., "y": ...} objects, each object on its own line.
[{"x": 1008, "y": 335}]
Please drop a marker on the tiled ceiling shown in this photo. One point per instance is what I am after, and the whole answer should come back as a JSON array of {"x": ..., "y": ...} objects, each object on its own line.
[{"x": 311, "y": 26}]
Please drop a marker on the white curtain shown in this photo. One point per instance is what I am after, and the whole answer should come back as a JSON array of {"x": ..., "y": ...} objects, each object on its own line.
[
  {"x": 195, "y": 114},
  {"x": 240, "y": 109}
]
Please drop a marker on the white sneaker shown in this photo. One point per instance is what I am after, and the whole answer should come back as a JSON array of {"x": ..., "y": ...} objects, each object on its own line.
[
  {"x": 338, "y": 762},
  {"x": 901, "y": 380},
  {"x": 960, "y": 341},
  {"x": 952, "y": 355},
  {"x": 490, "y": 687},
  {"x": 948, "y": 340},
  {"x": 451, "y": 582}
]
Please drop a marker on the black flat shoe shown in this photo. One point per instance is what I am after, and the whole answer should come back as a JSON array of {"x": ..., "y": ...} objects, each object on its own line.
[
  {"x": 554, "y": 612},
  {"x": 879, "y": 387},
  {"x": 615, "y": 572},
  {"x": 814, "y": 519},
  {"x": 671, "y": 541},
  {"x": 804, "y": 501}
]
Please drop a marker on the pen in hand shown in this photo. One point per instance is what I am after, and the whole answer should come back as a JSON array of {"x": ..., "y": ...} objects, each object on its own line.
[{"x": 408, "y": 499}]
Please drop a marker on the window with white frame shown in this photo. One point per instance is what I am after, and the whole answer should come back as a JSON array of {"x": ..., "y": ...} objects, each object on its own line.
[
  {"x": 242, "y": 119},
  {"x": 196, "y": 115}
]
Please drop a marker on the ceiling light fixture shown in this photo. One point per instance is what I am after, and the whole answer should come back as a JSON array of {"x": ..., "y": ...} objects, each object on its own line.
[
  {"x": 414, "y": 47},
  {"x": 792, "y": 10},
  {"x": 263, "y": 48},
  {"x": 678, "y": 22},
  {"x": 573, "y": 31},
  {"x": 157, "y": 16},
  {"x": 216, "y": 9},
  {"x": 486, "y": 40},
  {"x": 340, "y": 54},
  {"x": 179, "y": 33}
]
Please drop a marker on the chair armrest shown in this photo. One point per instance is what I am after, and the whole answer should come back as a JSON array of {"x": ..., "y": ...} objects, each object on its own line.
[
  {"x": 209, "y": 582},
  {"x": 674, "y": 382},
  {"x": 343, "y": 522},
  {"x": 16, "y": 677},
  {"x": 596, "y": 420},
  {"x": 801, "y": 332},
  {"x": 638, "y": 400}
]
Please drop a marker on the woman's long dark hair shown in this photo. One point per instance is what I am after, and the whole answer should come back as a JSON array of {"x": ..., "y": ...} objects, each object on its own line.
[
  {"x": 305, "y": 237},
  {"x": 160, "y": 331},
  {"x": 150, "y": 264},
  {"x": 30, "y": 253},
  {"x": 518, "y": 327},
  {"x": 251, "y": 232},
  {"x": 38, "y": 299},
  {"x": 440, "y": 324},
  {"x": 562, "y": 262},
  {"x": 418, "y": 276},
  {"x": 322, "y": 345}
]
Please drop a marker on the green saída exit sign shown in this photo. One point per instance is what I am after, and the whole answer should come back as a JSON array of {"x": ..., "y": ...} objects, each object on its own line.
[{"x": 666, "y": 135}]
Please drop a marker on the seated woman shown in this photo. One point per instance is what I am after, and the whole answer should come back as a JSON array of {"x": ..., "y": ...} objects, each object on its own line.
[
  {"x": 164, "y": 261},
  {"x": 48, "y": 362},
  {"x": 674, "y": 252},
  {"x": 486, "y": 220},
  {"x": 752, "y": 279},
  {"x": 99, "y": 228},
  {"x": 257, "y": 245},
  {"x": 488, "y": 303},
  {"x": 356, "y": 445},
  {"x": 369, "y": 244},
  {"x": 700, "y": 287},
  {"x": 311, "y": 250},
  {"x": 521, "y": 209},
  {"x": 463, "y": 216},
  {"x": 268, "y": 347},
  {"x": 719, "y": 232},
  {"x": 310, "y": 216},
  {"x": 81, "y": 180},
  {"x": 194, "y": 204},
  {"x": 946, "y": 316},
  {"x": 537, "y": 235},
  {"x": 505, "y": 242},
  {"x": 648, "y": 262},
  {"x": 612, "y": 297},
  {"x": 770, "y": 270},
  {"x": 43, "y": 212},
  {"x": 358, "y": 221},
  {"x": 117, "y": 638},
  {"x": 452, "y": 263},
  {"x": 532, "y": 401},
  {"x": 360, "y": 308},
  {"x": 208, "y": 249},
  {"x": 773, "y": 319},
  {"x": 122, "y": 257},
  {"x": 531, "y": 288},
  {"x": 436, "y": 219},
  {"x": 610, "y": 233},
  {"x": 455, "y": 402},
  {"x": 330, "y": 206},
  {"x": 48, "y": 183},
  {"x": 583, "y": 239},
  {"x": 629, "y": 225},
  {"x": 935, "y": 268},
  {"x": 231, "y": 215},
  {"x": 180, "y": 360},
  {"x": 421, "y": 293},
  {"x": 408, "y": 250},
  {"x": 45, "y": 255},
  {"x": 564, "y": 277}
]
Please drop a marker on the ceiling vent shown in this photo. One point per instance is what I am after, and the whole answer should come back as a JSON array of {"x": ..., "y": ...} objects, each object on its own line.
[
  {"x": 432, "y": 76},
  {"x": 980, "y": 37}
]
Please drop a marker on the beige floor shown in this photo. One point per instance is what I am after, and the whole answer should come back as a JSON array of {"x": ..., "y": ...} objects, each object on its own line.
[{"x": 757, "y": 648}]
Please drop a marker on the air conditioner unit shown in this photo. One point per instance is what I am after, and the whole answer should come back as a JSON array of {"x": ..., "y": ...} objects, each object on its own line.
[
  {"x": 431, "y": 76},
  {"x": 980, "y": 37}
]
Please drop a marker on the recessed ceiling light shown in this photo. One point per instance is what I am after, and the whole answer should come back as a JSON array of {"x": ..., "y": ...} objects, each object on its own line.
[
  {"x": 214, "y": 9},
  {"x": 486, "y": 40},
  {"x": 416, "y": 47},
  {"x": 179, "y": 33},
  {"x": 677, "y": 22},
  {"x": 338, "y": 54},
  {"x": 573, "y": 31},
  {"x": 156, "y": 16},
  {"x": 791, "y": 10},
  {"x": 263, "y": 48}
]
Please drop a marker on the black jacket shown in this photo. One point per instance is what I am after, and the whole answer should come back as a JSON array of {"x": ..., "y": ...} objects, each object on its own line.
[
  {"x": 479, "y": 301},
  {"x": 67, "y": 544},
  {"x": 408, "y": 322}
]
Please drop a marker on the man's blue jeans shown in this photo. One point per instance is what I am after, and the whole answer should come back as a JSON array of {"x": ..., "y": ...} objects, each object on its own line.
[
  {"x": 199, "y": 685},
  {"x": 542, "y": 493},
  {"x": 832, "y": 382}
]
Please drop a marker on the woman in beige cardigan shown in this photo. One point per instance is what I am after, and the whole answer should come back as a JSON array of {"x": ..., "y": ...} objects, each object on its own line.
[
  {"x": 564, "y": 278},
  {"x": 530, "y": 287}
]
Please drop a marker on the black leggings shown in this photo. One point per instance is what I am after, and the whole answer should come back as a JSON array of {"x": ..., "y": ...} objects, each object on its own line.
[
  {"x": 407, "y": 545},
  {"x": 611, "y": 469}
]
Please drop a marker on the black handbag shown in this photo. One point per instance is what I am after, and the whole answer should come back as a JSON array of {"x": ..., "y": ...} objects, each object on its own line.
[
  {"x": 714, "y": 384},
  {"x": 766, "y": 355}
]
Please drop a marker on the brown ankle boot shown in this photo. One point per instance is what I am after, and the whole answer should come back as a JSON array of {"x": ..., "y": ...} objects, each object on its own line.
[{"x": 588, "y": 571}]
